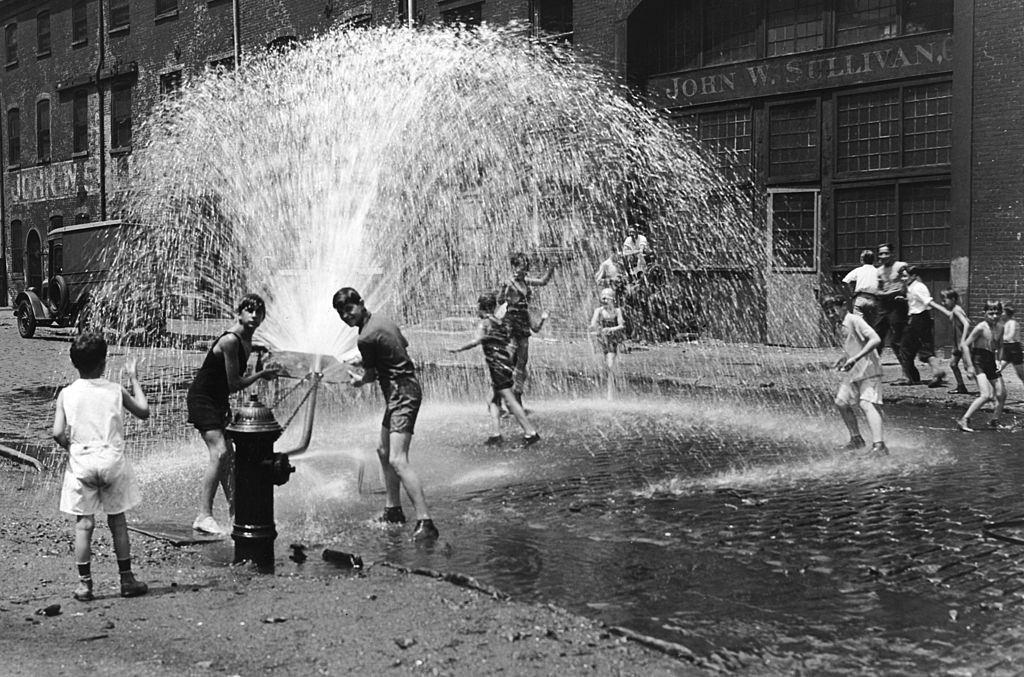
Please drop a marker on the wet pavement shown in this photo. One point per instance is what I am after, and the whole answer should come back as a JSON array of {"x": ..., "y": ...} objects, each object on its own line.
[{"x": 708, "y": 508}]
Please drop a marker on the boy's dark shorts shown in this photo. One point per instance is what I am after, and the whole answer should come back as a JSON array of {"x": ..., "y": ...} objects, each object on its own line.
[
  {"x": 402, "y": 405},
  {"x": 985, "y": 363},
  {"x": 501, "y": 375},
  {"x": 206, "y": 415},
  {"x": 1012, "y": 353}
]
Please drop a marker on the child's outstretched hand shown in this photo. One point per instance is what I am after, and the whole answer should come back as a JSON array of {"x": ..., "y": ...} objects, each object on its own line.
[
  {"x": 545, "y": 315},
  {"x": 131, "y": 368},
  {"x": 840, "y": 364}
]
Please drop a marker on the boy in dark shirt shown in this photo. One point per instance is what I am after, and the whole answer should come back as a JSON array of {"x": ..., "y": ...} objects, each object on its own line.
[{"x": 385, "y": 359}]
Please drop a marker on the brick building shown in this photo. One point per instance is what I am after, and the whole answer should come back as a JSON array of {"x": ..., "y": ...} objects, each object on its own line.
[{"x": 849, "y": 122}]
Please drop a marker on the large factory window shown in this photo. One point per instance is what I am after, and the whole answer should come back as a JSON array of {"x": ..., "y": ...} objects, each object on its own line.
[
  {"x": 793, "y": 146},
  {"x": 14, "y": 137},
  {"x": 865, "y": 217},
  {"x": 730, "y": 31},
  {"x": 924, "y": 222},
  {"x": 865, "y": 20},
  {"x": 727, "y": 136},
  {"x": 121, "y": 116},
  {"x": 793, "y": 223},
  {"x": 927, "y": 15},
  {"x": 795, "y": 26},
  {"x": 927, "y": 125},
  {"x": 80, "y": 122},
  {"x": 553, "y": 19}
]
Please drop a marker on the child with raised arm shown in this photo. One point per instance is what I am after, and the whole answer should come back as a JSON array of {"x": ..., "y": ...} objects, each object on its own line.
[
  {"x": 1012, "y": 353},
  {"x": 608, "y": 326},
  {"x": 961, "y": 325},
  {"x": 89, "y": 424},
  {"x": 492, "y": 335},
  {"x": 862, "y": 381},
  {"x": 980, "y": 350}
]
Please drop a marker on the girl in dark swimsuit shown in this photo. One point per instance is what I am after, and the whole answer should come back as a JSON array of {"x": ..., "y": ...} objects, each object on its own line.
[
  {"x": 609, "y": 329},
  {"x": 980, "y": 349},
  {"x": 516, "y": 293},
  {"x": 221, "y": 374}
]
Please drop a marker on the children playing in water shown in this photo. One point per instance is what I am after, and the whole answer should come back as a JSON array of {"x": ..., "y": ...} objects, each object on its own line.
[
  {"x": 223, "y": 373},
  {"x": 919, "y": 336},
  {"x": 980, "y": 350},
  {"x": 862, "y": 380},
  {"x": 385, "y": 359},
  {"x": 517, "y": 292},
  {"x": 89, "y": 424},
  {"x": 961, "y": 325},
  {"x": 492, "y": 335},
  {"x": 1012, "y": 353},
  {"x": 608, "y": 327}
]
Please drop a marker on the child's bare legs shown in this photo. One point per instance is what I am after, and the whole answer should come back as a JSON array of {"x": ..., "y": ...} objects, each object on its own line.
[
  {"x": 954, "y": 366},
  {"x": 394, "y": 460},
  {"x": 494, "y": 410},
  {"x": 850, "y": 419},
  {"x": 119, "y": 531},
  {"x": 609, "y": 363},
  {"x": 985, "y": 394},
  {"x": 84, "y": 526},
  {"x": 218, "y": 471},
  {"x": 937, "y": 371},
  {"x": 1000, "y": 397},
  {"x": 518, "y": 412},
  {"x": 874, "y": 418}
]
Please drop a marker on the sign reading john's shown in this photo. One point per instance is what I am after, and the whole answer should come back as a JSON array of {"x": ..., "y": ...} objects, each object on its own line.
[{"x": 906, "y": 57}]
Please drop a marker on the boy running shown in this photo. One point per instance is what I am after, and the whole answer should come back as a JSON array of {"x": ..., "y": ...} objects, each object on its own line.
[
  {"x": 980, "y": 349},
  {"x": 862, "y": 382}
]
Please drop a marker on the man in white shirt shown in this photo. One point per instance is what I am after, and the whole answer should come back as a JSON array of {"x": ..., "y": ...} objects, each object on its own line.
[
  {"x": 919, "y": 337},
  {"x": 609, "y": 271},
  {"x": 634, "y": 250},
  {"x": 864, "y": 283}
]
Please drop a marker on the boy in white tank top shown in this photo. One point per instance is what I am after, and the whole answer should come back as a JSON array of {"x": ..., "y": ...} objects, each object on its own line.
[{"x": 89, "y": 424}]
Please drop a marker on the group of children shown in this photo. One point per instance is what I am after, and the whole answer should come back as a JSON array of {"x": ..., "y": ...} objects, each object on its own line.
[{"x": 985, "y": 350}]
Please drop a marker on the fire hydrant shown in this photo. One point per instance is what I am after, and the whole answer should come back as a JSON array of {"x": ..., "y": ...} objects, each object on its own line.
[{"x": 257, "y": 470}]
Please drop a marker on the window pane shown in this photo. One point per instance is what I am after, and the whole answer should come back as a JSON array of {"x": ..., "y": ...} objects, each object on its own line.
[
  {"x": 80, "y": 122},
  {"x": 79, "y": 23},
  {"x": 864, "y": 20},
  {"x": 868, "y": 131},
  {"x": 11, "y": 42},
  {"x": 165, "y": 6},
  {"x": 470, "y": 15},
  {"x": 17, "y": 248},
  {"x": 43, "y": 130},
  {"x": 927, "y": 15},
  {"x": 924, "y": 222},
  {"x": 121, "y": 117},
  {"x": 43, "y": 33},
  {"x": 927, "y": 125},
  {"x": 795, "y": 26},
  {"x": 14, "y": 136},
  {"x": 170, "y": 83},
  {"x": 793, "y": 229},
  {"x": 554, "y": 18},
  {"x": 793, "y": 140},
  {"x": 119, "y": 14},
  {"x": 730, "y": 31},
  {"x": 727, "y": 135},
  {"x": 865, "y": 217}
]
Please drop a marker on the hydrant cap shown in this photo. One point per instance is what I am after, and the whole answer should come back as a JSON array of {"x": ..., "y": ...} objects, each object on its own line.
[{"x": 254, "y": 417}]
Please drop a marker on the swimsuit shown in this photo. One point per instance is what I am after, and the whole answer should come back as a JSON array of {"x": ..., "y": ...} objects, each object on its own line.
[
  {"x": 985, "y": 363},
  {"x": 207, "y": 398}
]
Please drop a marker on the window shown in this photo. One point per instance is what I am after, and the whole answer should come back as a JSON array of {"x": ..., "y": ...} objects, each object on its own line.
[
  {"x": 43, "y": 131},
  {"x": 927, "y": 15},
  {"x": 664, "y": 36},
  {"x": 908, "y": 127},
  {"x": 727, "y": 136},
  {"x": 120, "y": 16},
  {"x": 286, "y": 43},
  {"x": 14, "y": 137},
  {"x": 795, "y": 26},
  {"x": 793, "y": 146},
  {"x": 82, "y": 217},
  {"x": 864, "y": 20},
  {"x": 553, "y": 19},
  {"x": 43, "y": 34},
  {"x": 864, "y": 217},
  {"x": 80, "y": 122},
  {"x": 730, "y": 31},
  {"x": 924, "y": 222},
  {"x": 11, "y": 43},
  {"x": 226, "y": 64},
  {"x": 166, "y": 7},
  {"x": 79, "y": 24},
  {"x": 793, "y": 218},
  {"x": 469, "y": 15},
  {"x": 17, "y": 247},
  {"x": 170, "y": 84},
  {"x": 121, "y": 116}
]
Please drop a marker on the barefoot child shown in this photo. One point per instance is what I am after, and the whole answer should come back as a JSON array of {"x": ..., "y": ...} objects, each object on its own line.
[
  {"x": 862, "y": 382},
  {"x": 1012, "y": 353},
  {"x": 961, "y": 325},
  {"x": 980, "y": 349},
  {"x": 89, "y": 424},
  {"x": 608, "y": 327},
  {"x": 492, "y": 335}
]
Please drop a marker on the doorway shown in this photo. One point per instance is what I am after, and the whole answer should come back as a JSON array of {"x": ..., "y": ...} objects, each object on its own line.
[{"x": 34, "y": 256}]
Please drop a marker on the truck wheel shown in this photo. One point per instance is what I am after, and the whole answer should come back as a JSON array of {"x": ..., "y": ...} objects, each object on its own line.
[{"x": 26, "y": 320}]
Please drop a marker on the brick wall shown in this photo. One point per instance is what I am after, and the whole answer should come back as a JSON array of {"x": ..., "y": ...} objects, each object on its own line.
[{"x": 997, "y": 187}]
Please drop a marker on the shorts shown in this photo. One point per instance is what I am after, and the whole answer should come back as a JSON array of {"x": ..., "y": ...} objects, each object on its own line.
[
  {"x": 500, "y": 371},
  {"x": 866, "y": 306},
  {"x": 402, "y": 405},
  {"x": 1012, "y": 353},
  {"x": 852, "y": 393},
  {"x": 206, "y": 415},
  {"x": 985, "y": 363},
  {"x": 98, "y": 479}
]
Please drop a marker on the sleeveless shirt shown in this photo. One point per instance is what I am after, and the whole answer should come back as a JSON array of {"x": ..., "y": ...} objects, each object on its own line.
[
  {"x": 94, "y": 411},
  {"x": 212, "y": 379}
]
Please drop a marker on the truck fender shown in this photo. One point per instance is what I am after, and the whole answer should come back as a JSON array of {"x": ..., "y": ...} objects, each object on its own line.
[{"x": 42, "y": 314}]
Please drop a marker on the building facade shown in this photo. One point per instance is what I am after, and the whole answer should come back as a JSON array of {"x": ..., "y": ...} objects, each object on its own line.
[{"x": 847, "y": 122}]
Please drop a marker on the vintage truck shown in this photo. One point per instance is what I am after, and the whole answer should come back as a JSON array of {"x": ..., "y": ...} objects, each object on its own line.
[{"x": 78, "y": 257}]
